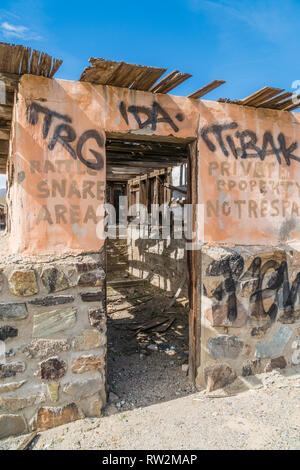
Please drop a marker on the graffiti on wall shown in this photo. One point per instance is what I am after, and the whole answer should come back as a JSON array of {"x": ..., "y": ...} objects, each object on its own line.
[
  {"x": 253, "y": 174},
  {"x": 69, "y": 190},
  {"x": 146, "y": 116},
  {"x": 247, "y": 145},
  {"x": 265, "y": 285},
  {"x": 64, "y": 134}
]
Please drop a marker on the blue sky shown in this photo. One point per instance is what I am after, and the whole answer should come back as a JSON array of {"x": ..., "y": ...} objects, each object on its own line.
[{"x": 249, "y": 44}]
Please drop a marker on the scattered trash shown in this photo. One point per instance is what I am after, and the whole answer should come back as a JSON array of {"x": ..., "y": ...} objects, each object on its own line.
[{"x": 185, "y": 369}]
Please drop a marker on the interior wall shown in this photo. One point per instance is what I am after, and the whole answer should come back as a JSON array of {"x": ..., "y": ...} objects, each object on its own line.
[{"x": 163, "y": 262}]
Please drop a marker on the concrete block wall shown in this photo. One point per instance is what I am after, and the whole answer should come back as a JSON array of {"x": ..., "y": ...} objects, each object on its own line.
[{"x": 53, "y": 342}]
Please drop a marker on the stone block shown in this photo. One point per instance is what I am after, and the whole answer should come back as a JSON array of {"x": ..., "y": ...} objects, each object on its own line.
[
  {"x": 89, "y": 339},
  {"x": 43, "y": 348},
  {"x": 52, "y": 369},
  {"x": 276, "y": 363},
  {"x": 54, "y": 280},
  {"x": 92, "y": 406},
  {"x": 86, "y": 267},
  {"x": 92, "y": 279},
  {"x": 48, "y": 417},
  {"x": 83, "y": 388},
  {"x": 225, "y": 346},
  {"x": 92, "y": 296},
  {"x": 276, "y": 346},
  {"x": 23, "y": 283},
  {"x": 219, "y": 314},
  {"x": 11, "y": 387},
  {"x": 52, "y": 300},
  {"x": 12, "y": 425},
  {"x": 45, "y": 324},
  {"x": 53, "y": 391},
  {"x": 97, "y": 318},
  {"x": 7, "y": 332},
  {"x": 260, "y": 331},
  {"x": 218, "y": 376},
  {"x": 11, "y": 369},
  {"x": 13, "y": 404},
  {"x": 13, "y": 312},
  {"x": 84, "y": 364}
]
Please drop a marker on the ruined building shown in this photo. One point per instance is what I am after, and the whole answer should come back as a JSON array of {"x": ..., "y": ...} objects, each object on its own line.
[{"x": 68, "y": 147}]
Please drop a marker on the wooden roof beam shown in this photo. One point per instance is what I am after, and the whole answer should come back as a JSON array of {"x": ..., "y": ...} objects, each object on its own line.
[{"x": 206, "y": 89}]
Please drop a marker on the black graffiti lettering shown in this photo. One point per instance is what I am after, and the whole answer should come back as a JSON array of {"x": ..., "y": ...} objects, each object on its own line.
[
  {"x": 91, "y": 134},
  {"x": 33, "y": 111},
  {"x": 248, "y": 141},
  {"x": 287, "y": 152},
  {"x": 123, "y": 112},
  {"x": 231, "y": 267},
  {"x": 259, "y": 294},
  {"x": 268, "y": 285},
  {"x": 64, "y": 134},
  {"x": 232, "y": 146},
  {"x": 268, "y": 141},
  {"x": 217, "y": 130},
  {"x": 154, "y": 115},
  {"x": 165, "y": 117}
]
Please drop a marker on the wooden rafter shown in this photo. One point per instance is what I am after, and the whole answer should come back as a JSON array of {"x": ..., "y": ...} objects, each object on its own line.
[{"x": 206, "y": 89}]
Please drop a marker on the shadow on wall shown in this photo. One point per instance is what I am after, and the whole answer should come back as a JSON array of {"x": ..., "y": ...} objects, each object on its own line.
[{"x": 161, "y": 262}]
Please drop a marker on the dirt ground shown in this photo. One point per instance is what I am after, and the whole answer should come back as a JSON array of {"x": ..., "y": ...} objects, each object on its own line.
[
  {"x": 259, "y": 413},
  {"x": 147, "y": 347}
]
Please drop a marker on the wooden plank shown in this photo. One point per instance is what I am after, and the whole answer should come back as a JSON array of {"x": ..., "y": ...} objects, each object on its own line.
[
  {"x": 25, "y": 61},
  {"x": 34, "y": 62},
  {"x": 4, "y": 146},
  {"x": 100, "y": 72},
  {"x": 206, "y": 89},
  {"x": 292, "y": 107},
  {"x": 250, "y": 98},
  {"x": 118, "y": 178},
  {"x": 28, "y": 441},
  {"x": 258, "y": 95},
  {"x": 4, "y": 134},
  {"x": 265, "y": 96},
  {"x": 271, "y": 103},
  {"x": 180, "y": 78},
  {"x": 148, "y": 78},
  {"x": 6, "y": 112},
  {"x": 159, "y": 87},
  {"x": 11, "y": 81},
  {"x": 194, "y": 269},
  {"x": 56, "y": 63},
  {"x": 125, "y": 75},
  {"x": 284, "y": 104},
  {"x": 135, "y": 164}
]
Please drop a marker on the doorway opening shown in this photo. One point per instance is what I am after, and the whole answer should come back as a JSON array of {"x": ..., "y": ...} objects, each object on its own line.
[{"x": 148, "y": 285}]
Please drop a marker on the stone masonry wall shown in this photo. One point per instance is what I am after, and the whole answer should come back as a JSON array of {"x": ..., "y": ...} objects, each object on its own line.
[
  {"x": 250, "y": 312},
  {"x": 52, "y": 342}
]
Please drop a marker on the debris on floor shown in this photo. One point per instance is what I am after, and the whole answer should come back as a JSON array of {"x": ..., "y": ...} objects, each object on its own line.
[{"x": 148, "y": 345}]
